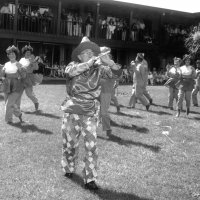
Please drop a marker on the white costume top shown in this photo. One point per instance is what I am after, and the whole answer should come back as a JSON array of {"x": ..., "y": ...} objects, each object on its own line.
[
  {"x": 10, "y": 68},
  {"x": 186, "y": 70},
  {"x": 25, "y": 62}
]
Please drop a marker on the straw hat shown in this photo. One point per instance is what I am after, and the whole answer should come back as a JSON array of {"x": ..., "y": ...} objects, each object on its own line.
[{"x": 85, "y": 44}]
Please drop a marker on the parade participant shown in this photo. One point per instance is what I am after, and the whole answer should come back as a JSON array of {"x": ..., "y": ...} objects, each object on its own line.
[
  {"x": 13, "y": 75},
  {"x": 139, "y": 82},
  {"x": 197, "y": 85},
  {"x": 173, "y": 72},
  {"x": 146, "y": 92},
  {"x": 81, "y": 107},
  {"x": 185, "y": 84},
  {"x": 107, "y": 95},
  {"x": 29, "y": 64}
]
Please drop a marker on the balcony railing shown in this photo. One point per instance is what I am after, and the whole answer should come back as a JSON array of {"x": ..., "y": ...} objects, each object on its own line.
[{"x": 48, "y": 25}]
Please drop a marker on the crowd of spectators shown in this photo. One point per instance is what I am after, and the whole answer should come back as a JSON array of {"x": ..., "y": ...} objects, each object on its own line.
[{"x": 72, "y": 24}]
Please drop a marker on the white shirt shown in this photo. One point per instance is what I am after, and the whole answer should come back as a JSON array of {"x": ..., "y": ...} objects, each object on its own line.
[
  {"x": 25, "y": 62},
  {"x": 10, "y": 68},
  {"x": 186, "y": 70}
]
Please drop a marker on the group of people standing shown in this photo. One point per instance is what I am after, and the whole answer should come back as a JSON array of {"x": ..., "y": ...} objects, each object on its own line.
[
  {"x": 18, "y": 76},
  {"x": 92, "y": 77},
  {"x": 181, "y": 83}
]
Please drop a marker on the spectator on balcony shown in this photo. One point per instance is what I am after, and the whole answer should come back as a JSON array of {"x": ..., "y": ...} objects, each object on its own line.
[
  {"x": 6, "y": 16},
  {"x": 80, "y": 24},
  {"x": 103, "y": 28},
  {"x": 124, "y": 30},
  {"x": 110, "y": 28},
  {"x": 64, "y": 21},
  {"x": 134, "y": 32},
  {"x": 69, "y": 24},
  {"x": 34, "y": 20},
  {"x": 5, "y": 9},
  {"x": 75, "y": 24},
  {"x": 89, "y": 24}
]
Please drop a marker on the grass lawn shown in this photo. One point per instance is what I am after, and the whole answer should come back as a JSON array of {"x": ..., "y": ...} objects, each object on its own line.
[{"x": 158, "y": 156}]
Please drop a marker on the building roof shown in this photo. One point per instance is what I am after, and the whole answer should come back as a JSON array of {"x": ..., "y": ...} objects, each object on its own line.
[{"x": 191, "y": 6}]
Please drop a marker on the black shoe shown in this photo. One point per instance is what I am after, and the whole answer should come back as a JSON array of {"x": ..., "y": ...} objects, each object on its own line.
[
  {"x": 196, "y": 105},
  {"x": 171, "y": 108},
  {"x": 187, "y": 111},
  {"x": 118, "y": 109},
  {"x": 9, "y": 123},
  {"x": 147, "y": 107},
  {"x": 151, "y": 101},
  {"x": 178, "y": 113},
  {"x": 20, "y": 118},
  {"x": 69, "y": 175},
  {"x": 36, "y": 106},
  {"x": 109, "y": 133},
  {"x": 91, "y": 186}
]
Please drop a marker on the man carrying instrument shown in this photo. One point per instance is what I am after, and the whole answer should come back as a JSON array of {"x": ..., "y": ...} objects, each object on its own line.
[{"x": 81, "y": 107}]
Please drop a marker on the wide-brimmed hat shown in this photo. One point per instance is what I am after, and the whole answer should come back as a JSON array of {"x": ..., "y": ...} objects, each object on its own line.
[
  {"x": 139, "y": 55},
  {"x": 27, "y": 48},
  {"x": 186, "y": 57},
  {"x": 85, "y": 44}
]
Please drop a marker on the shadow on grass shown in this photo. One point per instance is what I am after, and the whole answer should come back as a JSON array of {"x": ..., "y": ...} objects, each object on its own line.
[
  {"x": 40, "y": 113},
  {"x": 26, "y": 127},
  {"x": 107, "y": 194},
  {"x": 126, "y": 115},
  {"x": 159, "y": 112},
  {"x": 1, "y": 98},
  {"x": 124, "y": 142},
  {"x": 157, "y": 105},
  {"x": 132, "y": 127}
]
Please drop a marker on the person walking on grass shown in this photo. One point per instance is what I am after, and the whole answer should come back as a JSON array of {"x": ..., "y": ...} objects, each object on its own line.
[
  {"x": 12, "y": 75},
  {"x": 139, "y": 82},
  {"x": 107, "y": 95},
  {"x": 185, "y": 84},
  {"x": 81, "y": 107},
  {"x": 197, "y": 85},
  {"x": 29, "y": 64},
  {"x": 173, "y": 72}
]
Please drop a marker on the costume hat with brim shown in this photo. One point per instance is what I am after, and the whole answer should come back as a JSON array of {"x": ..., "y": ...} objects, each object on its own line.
[{"x": 85, "y": 44}]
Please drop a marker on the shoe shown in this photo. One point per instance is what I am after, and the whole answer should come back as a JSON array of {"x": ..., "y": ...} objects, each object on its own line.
[
  {"x": 68, "y": 175},
  {"x": 171, "y": 108},
  {"x": 20, "y": 118},
  {"x": 9, "y": 123},
  {"x": 196, "y": 105},
  {"x": 147, "y": 107},
  {"x": 118, "y": 109},
  {"x": 109, "y": 133},
  {"x": 178, "y": 113},
  {"x": 151, "y": 101},
  {"x": 91, "y": 186},
  {"x": 36, "y": 106},
  {"x": 187, "y": 111}
]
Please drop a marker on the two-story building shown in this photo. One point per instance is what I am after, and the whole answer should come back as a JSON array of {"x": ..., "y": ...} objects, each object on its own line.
[{"x": 55, "y": 27}]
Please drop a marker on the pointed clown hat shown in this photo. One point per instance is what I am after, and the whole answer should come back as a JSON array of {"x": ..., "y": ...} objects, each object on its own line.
[{"x": 85, "y": 44}]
